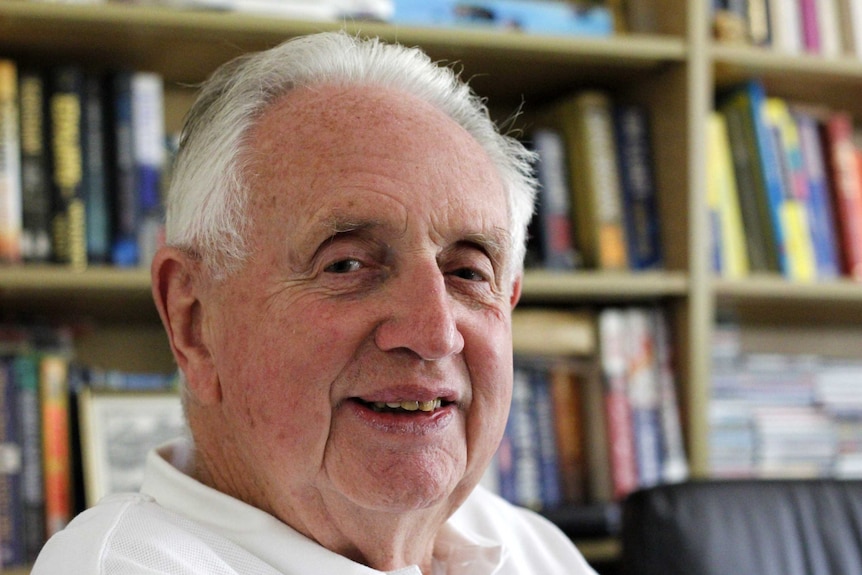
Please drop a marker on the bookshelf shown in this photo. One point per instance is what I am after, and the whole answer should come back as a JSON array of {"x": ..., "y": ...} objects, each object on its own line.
[{"x": 673, "y": 71}]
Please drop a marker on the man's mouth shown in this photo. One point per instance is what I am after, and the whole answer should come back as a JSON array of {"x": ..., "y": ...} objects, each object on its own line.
[{"x": 406, "y": 406}]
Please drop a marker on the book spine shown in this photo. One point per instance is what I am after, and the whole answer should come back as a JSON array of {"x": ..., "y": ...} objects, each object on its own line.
[
  {"x": 546, "y": 439},
  {"x": 793, "y": 212},
  {"x": 597, "y": 196},
  {"x": 761, "y": 255},
  {"x": 26, "y": 378},
  {"x": 643, "y": 396},
  {"x": 524, "y": 442},
  {"x": 724, "y": 194},
  {"x": 148, "y": 135},
  {"x": 94, "y": 181},
  {"x": 68, "y": 223},
  {"x": 819, "y": 204},
  {"x": 11, "y": 508},
  {"x": 845, "y": 183},
  {"x": 554, "y": 208},
  {"x": 10, "y": 165},
  {"x": 674, "y": 462},
  {"x": 568, "y": 412},
  {"x": 614, "y": 364},
  {"x": 810, "y": 27},
  {"x": 637, "y": 180},
  {"x": 35, "y": 170},
  {"x": 124, "y": 251},
  {"x": 56, "y": 442}
]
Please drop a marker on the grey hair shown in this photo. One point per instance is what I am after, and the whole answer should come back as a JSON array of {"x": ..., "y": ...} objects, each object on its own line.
[{"x": 206, "y": 204}]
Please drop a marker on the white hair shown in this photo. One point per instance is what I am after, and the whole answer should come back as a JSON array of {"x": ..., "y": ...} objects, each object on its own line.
[{"x": 206, "y": 204}]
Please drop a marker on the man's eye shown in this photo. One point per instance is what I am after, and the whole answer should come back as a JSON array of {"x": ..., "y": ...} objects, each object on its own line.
[
  {"x": 343, "y": 266},
  {"x": 469, "y": 274}
]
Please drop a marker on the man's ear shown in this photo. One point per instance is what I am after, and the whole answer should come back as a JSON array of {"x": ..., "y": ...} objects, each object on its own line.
[
  {"x": 516, "y": 290},
  {"x": 176, "y": 287}
]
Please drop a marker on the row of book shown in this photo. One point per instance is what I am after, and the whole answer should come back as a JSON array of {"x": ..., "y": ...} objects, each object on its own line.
[
  {"x": 598, "y": 200},
  {"x": 591, "y": 428},
  {"x": 830, "y": 28},
  {"x": 776, "y": 415},
  {"x": 559, "y": 17},
  {"x": 82, "y": 160},
  {"x": 43, "y": 475},
  {"x": 784, "y": 188}
]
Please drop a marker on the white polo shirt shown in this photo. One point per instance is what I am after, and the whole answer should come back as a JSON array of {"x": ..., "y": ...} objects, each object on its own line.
[{"x": 179, "y": 526}]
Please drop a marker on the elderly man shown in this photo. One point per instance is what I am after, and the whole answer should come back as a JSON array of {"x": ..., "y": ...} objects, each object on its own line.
[{"x": 345, "y": 235}]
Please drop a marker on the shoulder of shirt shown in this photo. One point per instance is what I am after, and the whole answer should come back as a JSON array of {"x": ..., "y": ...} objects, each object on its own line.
[
  {"x": 529, "y": 538},
  {"x": 124, "y": 531}
]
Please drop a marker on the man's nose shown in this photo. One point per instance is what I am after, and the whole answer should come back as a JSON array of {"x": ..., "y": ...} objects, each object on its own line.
[{"x": 420, "y": 316}]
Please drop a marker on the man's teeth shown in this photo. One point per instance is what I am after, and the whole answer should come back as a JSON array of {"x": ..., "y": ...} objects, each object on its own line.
[{"x": 408, "y": 405}]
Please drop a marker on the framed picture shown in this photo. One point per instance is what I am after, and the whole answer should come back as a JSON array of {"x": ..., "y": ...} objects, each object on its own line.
[{"x": 118, "y": 428}]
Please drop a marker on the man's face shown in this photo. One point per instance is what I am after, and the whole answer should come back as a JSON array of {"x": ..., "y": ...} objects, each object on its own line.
[{"x": 364, "y": 352}]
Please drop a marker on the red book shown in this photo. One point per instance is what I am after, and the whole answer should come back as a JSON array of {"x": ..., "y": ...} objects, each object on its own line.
[
  {"x": 54, "y": 390},
  {"x": 845, "y": 180}
]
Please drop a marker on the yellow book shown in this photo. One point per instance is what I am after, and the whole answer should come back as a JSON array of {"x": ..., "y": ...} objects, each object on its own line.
[
  {"x": 794, "y": 215},
  {"x": 723, "y": 194},
  {"x": 586, "y": 122}
]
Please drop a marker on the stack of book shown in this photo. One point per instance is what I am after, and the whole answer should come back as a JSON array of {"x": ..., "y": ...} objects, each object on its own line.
[{"x": 776, "y": 415}]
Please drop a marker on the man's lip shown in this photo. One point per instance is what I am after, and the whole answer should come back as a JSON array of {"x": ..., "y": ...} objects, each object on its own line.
[{"x": 405, "y": 394}]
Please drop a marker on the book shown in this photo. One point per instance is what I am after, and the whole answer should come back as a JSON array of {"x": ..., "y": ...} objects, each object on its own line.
[
  {"x": 568, "y": 411},
  {"x": 137, "y": 128},
  {"x": 10, "y": 165},
  {"x": 843, "y": 173},
  {"x": 521, "y": 428},
  {"x": 850, "y": 18},
  {"x": 56, "y": 441},
  {"x": 586, "y": 122},
  {"x": 554, "y": 207},
  {"x": 637, "y": 180},
  {"x": 25, "y": 370},
  {"x": 94, "y": 183},
  {"x": 148, "y": 131},
  {"x": 643, "y": 394},
  {"x": 550, "y": 492},
  {"x": 12, "y": 551},
  {"x": 553, "y": 332},
  {"x": 68, "y": 216},
  {"x": 793, "y": 212},
  {"x": 810, "y": 26},
  {"x": 829, "y": 28},
  {"x": 530, "y": 16},
  {"x": 673, "y": 455},
  {"x": 731, "y": 259},
  {"x": 819, "y": 203},
  {"x": 785, "y": 25},
  {"x": 35, "y": 168},
  {"x": 614, "y": 366},
  {"x": 758, "y": 177}
]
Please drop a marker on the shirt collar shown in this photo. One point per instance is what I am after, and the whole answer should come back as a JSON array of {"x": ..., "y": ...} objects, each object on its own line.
[{"x": 456, "y": 552}]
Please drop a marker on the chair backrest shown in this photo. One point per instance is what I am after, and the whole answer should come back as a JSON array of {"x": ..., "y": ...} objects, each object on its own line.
[{"x": 744, "y": 527}]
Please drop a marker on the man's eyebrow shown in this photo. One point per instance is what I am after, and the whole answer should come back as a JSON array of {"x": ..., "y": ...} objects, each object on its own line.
[{"x": 496, "y": 243}]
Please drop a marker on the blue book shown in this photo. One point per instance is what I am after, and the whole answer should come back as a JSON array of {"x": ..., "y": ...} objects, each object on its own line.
[
  {"x": 531, "y": 16},
  {"x": 819, "y": 203},
  {"x": 640, "y": 205}
]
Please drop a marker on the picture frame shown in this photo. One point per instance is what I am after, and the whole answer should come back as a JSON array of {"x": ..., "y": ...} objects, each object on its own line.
[{"x": 117, "y": 430}]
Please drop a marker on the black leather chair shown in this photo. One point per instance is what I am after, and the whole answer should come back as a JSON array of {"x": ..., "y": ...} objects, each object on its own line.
[{"x": 744, "y": 527}]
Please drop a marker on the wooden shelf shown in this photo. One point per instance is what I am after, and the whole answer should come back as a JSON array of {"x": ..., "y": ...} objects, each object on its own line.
[
  {"x": 122, "y": 36},
  {"x": 597, "y": 287}
]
